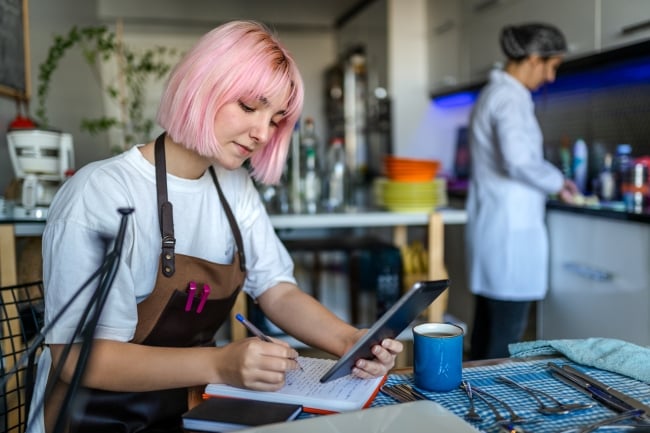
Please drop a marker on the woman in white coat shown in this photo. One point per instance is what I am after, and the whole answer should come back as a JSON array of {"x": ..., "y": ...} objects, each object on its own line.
[{"x": 506, "y": 235}]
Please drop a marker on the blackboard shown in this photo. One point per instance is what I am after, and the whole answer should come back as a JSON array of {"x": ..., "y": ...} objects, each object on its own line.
[{"x": 14, "y": 49}]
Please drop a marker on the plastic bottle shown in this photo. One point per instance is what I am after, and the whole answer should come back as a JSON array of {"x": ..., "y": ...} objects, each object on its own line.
[
  {"x": 580, "y": 155},
  {"x": 338, "y": 178},
  {"x": 606, "y": 179},
  {"x": 622, "y": 167}
]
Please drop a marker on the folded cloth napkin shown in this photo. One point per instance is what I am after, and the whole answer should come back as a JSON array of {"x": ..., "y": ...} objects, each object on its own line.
[{"x": 608, "y": 354}]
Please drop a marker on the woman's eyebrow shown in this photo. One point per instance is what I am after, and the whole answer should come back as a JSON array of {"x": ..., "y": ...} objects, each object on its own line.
[{"x": 264, "y": 100}]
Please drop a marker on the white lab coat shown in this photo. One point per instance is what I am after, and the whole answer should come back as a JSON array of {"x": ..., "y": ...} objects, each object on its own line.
[{"x": 506, "y": 239}]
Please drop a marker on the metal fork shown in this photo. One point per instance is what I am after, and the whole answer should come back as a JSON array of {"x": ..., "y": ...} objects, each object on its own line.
[
  {"x": 471, "y": 414},
  {"x": 514, "y": 417}
]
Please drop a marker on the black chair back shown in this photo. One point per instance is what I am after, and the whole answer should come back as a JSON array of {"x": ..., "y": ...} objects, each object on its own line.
[{"x": 21, "y": 319}]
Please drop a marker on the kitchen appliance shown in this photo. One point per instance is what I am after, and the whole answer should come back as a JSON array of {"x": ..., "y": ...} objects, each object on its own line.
[{"x": 42, "y": 160}]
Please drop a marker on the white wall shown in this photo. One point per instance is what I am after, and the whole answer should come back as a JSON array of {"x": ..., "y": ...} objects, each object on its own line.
[
  {"x": 408, "y": 73},
  {"x": 74, "y": 91}
]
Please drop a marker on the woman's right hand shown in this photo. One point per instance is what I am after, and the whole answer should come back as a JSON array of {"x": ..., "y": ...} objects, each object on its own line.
[
  {"x": 568, "y": 192},
  {"x": 256, "y": 364}
]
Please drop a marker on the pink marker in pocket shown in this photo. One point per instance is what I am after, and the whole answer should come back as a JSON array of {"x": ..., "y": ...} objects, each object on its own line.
[
  {"x": 204, "y": 298},
  {"x": 191, "y": 292}
]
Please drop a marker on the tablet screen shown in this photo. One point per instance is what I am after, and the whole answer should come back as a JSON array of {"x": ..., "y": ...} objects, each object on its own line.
[{"x": 389, "y": 325}]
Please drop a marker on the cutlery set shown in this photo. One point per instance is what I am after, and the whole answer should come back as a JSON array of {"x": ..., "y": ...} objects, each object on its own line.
[{"x": 627, "y": 408}]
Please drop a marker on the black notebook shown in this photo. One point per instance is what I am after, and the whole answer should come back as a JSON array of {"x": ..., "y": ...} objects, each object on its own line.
[{"x": 221, "y": 414}]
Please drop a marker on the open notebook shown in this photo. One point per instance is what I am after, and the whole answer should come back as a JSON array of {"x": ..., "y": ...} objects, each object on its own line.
[{"x": 304, "y": 387}]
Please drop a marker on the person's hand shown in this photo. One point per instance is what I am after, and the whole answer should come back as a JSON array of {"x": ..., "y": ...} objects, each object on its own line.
[
  {"x": 385, "y": 354},
  {"x": 569, "y": 192},
  {"x": 256, "y": 364}
]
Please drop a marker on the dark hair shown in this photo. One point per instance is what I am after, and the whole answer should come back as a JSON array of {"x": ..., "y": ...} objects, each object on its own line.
[{"x": 519, "y": 42}]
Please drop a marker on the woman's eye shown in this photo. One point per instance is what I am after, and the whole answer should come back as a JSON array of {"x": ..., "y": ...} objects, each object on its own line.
[{"x": 245, "y": 107}]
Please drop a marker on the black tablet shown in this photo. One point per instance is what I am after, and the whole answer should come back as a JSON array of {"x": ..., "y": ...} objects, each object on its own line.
[{"x": 394, "y": 321}]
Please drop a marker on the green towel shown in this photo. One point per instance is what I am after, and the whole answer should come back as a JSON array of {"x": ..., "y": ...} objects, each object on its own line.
[{"x": 605, "y": 353}]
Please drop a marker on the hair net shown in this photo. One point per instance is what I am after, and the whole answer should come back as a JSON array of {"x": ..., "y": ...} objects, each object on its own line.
[{"x": 519, "y": 42}]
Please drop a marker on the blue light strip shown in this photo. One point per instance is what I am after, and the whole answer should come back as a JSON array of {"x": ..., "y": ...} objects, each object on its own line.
[
  {"x": 628, "y": 73},
  {"x": 456, "y": 100},
  {"x": 622, "y": 74}
]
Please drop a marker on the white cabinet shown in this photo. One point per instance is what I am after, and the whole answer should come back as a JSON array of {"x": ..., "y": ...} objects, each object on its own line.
[
  {"x": 599, "y": 282},
  {"x": 624, "y": 22},
  {"x": 484, "y": 19},
  {"x": 482, "y": 24},
  {"x": 444, "y": 31}
]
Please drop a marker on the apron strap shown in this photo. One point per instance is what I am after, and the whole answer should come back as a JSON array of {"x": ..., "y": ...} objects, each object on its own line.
[
  {"x": 231, "y": 221},
  {"x": 166, "y": 217},
  {"x": 165, "y": 209}
]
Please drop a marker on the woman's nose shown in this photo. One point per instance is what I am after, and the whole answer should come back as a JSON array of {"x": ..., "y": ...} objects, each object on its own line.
[{"x": 261, "y": 131}]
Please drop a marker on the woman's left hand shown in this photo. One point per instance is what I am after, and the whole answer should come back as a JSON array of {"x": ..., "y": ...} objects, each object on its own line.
[{"x": 384, "y": 360}]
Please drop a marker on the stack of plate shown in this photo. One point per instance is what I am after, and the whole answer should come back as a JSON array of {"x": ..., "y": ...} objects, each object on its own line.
[
  {"x": 410, "y": 185},
  {"x": 410, "y": 196}
]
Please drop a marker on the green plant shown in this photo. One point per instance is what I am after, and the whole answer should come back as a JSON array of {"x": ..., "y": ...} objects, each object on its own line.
[{"x": 134, "y": 69}]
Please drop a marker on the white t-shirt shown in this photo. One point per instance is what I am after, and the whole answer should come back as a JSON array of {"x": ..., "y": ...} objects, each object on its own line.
[{"x": 84, "y": 219}]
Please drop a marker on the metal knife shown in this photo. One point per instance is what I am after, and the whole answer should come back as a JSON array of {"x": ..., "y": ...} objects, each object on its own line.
[
  {"x": 597, "y": 390},
  {"x": 630, "y": 401}
]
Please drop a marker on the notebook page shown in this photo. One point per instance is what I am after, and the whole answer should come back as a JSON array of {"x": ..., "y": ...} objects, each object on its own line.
[
  {"x": 304, "y": 387},
  {"x": 307, "y": 382}
]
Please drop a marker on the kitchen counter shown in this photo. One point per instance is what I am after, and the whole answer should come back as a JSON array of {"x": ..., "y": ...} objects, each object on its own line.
[
  {"x": 368, "y": 218},
  {"x": 12, "y": 227},
  {"x": 611, "y": 210}
]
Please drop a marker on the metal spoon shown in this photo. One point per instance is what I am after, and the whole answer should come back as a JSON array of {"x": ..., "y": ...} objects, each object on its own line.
[
  {"x": 471, "y": 414},
  {"x": 559, "y": 408}
]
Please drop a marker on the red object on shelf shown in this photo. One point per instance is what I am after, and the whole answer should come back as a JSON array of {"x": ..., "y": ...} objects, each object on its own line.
[{"x": 22, "y": 122}]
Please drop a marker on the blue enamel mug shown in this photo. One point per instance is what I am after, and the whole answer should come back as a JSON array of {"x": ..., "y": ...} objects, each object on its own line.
[{"x": 437, "y": 356}]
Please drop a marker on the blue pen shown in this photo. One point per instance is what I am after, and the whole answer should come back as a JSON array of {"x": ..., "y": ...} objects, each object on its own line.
[
  {"x": 256, "y": 332},
  {"x": 254, "y": 329}
]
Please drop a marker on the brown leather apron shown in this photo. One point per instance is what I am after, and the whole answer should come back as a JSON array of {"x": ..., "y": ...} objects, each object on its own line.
[{"x": 164, "y": 319}]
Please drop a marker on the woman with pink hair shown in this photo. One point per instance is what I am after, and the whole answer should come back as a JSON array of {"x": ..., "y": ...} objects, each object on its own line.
[{"x": 198, "y": 235}]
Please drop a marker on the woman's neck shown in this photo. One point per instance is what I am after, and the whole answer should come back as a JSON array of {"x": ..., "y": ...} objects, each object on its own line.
[{"x": 179, "y": 160}]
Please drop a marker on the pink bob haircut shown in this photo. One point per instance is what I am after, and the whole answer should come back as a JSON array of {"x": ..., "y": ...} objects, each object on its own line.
[{"x": 237, "y": 60}]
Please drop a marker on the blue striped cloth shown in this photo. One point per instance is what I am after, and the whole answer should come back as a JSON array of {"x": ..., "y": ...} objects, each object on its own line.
[{"x": 535, "y": 375}]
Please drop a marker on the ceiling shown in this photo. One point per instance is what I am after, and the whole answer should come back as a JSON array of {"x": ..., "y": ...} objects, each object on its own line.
[{"x": 302, "y": 14}]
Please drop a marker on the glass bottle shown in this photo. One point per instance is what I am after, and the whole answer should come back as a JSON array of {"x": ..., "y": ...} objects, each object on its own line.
[{"x": 337, "y": 178}]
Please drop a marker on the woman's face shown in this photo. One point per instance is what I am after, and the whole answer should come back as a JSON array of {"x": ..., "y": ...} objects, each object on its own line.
[
  {"x": 245, "y": 126},
  {"x": 543, "y": 71}
]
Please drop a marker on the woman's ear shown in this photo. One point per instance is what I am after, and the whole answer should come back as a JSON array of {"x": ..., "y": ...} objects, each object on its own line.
[{"x": 535, "y": 59}]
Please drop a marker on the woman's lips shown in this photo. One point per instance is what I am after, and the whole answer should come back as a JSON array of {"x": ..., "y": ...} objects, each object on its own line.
[{"x": 243, "y": 150}]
